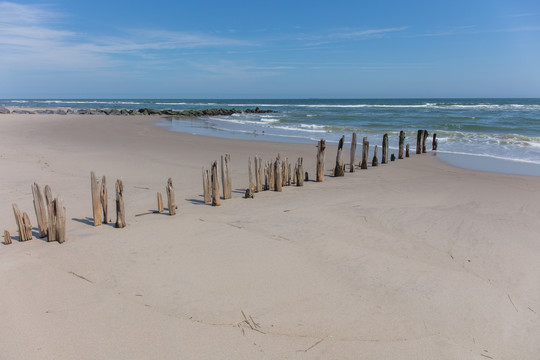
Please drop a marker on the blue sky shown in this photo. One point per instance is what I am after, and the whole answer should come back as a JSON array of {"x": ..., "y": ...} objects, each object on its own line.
[{"x": 269, "y": 49}]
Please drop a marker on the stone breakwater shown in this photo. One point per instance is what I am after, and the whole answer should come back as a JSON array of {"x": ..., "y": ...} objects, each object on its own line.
[{"x": 142, "y": 111}]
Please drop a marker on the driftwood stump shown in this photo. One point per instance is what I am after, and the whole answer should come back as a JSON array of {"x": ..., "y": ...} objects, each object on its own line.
[
  {"x": 407, "y": 150},
  {"x": 23, "y": 224},
  {"x": 60, "y": 215},
  {"x": 424, "y": 139},
  {"x": 384, "y": 159},
  {"x": 171, "y": 203},
  {"x": 375, "y": 160},
  {"x": 7, "y": 237},
  {"x": 104, "y": 199},
  {"x": 300, "y": 172},
  {"x": 284, "y": 173},
  {"x": 41, "y": 211},
  {"x": 52, "y": 214},
  {"x": 258, "y": 174},
  {"x": 419, "y": 137},
  {"x": 226, "y": 176},
  {"x": 215, "y": 185},
  {"x": 96, "y": 203},
  {"x": 435, "y": 143},
  {"x": 321, "y": 151},
  {"x": 353, "y": 152},
  {"x": 120, "y": 211},
  {"x": 278, "y": 178},
  {"x": 401, "y": 144},
  {"x": 339, "y": 170},
  {"x": 207, "y": 196},
  {"x": 365, "y": 154},
  {"x": 289, "y": 173},
  {"x": 160, "y": 208}
]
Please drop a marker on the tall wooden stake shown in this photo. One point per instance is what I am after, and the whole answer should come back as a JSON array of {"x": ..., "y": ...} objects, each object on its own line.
[
  {"x": 258, "y": 174},
  {"x": 215, "y": 185},
  {"x": 435, "y": 142},
  {"x": 419, "y": 137},
  {"x": 407, "y": 150},
  {"x": 401, "y": 144},
  {"x": 52, "y": 214},
  {"x": 250, "y": 171},
  {"x": 207, "y": 192},
  {"x": 384, "y": 149},
  {"x": 120, "y": 211},
  {"x": 41, "y": 212},
  {"x": 339, "y": 170},
  {"x": 300, "y": 172},
  {"x": 103, "y": 197},
  {"x": 353, "y": 152},
  {"x": 278, "y": 178},
  {"x": 96, "y": 203},
  {"x": 170, "y": 197},
  {"x": 226, "y": 176},
  {"x": 60, "y": 219},
  {"x": 321, "y": 151},
  {"x": 424, "y": 138},
  {"x": 365, "y": 154}
]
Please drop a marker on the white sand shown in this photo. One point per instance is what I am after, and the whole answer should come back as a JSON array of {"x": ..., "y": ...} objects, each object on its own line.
[{"x": 411, "y": 260}]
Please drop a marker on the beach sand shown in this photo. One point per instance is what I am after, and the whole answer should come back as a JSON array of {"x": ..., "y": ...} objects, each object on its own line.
[{"x": 415, "y": 259}]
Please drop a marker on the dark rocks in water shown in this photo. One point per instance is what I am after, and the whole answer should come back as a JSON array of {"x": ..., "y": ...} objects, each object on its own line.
[
  {"x": 4, "y": 110},
  {"x": 259, "y": 111},
  {"x": 61, "y": 112}
]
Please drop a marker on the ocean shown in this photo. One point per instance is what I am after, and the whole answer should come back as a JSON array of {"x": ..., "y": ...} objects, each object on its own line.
[{"x": 486, "y": 134}]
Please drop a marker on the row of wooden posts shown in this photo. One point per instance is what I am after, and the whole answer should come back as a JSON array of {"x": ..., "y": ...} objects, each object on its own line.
[{"x": 272, "y": 175}]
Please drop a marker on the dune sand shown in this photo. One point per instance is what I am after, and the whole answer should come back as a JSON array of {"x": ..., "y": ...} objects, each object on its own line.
[{"x": 411, "y": 260}]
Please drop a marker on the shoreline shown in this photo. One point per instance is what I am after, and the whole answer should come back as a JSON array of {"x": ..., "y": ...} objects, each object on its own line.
[
  {"x": 193, "y": 126},
  {"x": 409, "y": 257}
]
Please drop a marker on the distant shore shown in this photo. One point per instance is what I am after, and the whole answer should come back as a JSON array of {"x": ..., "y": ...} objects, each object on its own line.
[{"x": 407, "y": 258}]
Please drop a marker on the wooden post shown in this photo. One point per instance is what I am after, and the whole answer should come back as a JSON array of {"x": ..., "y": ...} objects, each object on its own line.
[
  {"x": 258, "y": 174},
  {"x": 278, "y": 178},
  {"x": 226, "y": 176},
  {"x": 295, "y": 174},
  {"x": 419, "y": 137},
  {"x": 215, "y": 185},
  {"x": 48, "y": 196},
  {"x": 300, "y": 172},
  {"x": 435, "y": 143},
  {"x": 160, "y": 202},
  {"x": 250, "y": 171},
  {"x": 392, "y": 157},
  {"x": 23, "y": 224},
  {"x": 96, "y": 204},
  {"x": 272, "y": 175},
  {"x": 424, "y": 138},
  {"x": 339, "y": 170},
  {"x": 375, "y": 161},
  {"x": 384, "y": 149},
  {"x": 407, "y": 150},
  {"x": 7, "y": 237},
  {"x": 289, "y": 173},
  {"x": 103, "y": 197},
  {"x": 60, "y": 224},
  {"x": 321, "y": 151},
  {"x": 284, "y": 173},
  {"x": 401, "y": 144},
  {"x": 41, "y": 212},
  {"x": 365, "y": 154},
  {"x": 353, "y": 152},
  {"x": 51, "y": 209},
  {"x": 120, "y": 211},
  {"x": 206, "y": 186},
  {"x": 170, "y": 197}
]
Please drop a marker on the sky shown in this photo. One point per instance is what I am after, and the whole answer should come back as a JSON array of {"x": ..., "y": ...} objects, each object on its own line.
[{"x": 269, "y": 49}]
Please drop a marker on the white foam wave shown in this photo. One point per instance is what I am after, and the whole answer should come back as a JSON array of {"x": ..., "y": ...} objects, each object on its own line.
[{"x": 528, "y": 161}]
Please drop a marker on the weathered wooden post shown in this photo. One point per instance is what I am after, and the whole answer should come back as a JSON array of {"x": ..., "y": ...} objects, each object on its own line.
[
  {"x": 384, "y": 149},
  {"x": 375, "y": 161},
  {"x": 392, "y": 157},
  {"x": 300, "y": 172},
  {"x": 226, "y": 176},
  {"x": 96, "y": 203},
  {"x": 353, "y": 152},
  {"x": 206, "y": 186},
  {"x": 424, "y": 138},
  {"x": 272, "y": 175},
  {"x": 60, "y": 215},
  {"x": 170, "y": 197},
  {"x": 278, "y": 177},
  {"x": 215, "y": 186},
  {"x": 365, "y": 154},
  {"x": 289, "y": 173},
  {"x": 401, "y": 144},
  {"x": 284, "y": 172},
  {"x": 7, "y": 237},
  {"x": 435, "y": 142},
  {"x": 258, "y": 174},
  {"x": 120, "y": 211},
  {"x": 23, "y": 224},
  {"x": 52, "y": 215},
  {"x": 321, "y": 151},
  {"x": 407, "y": 150},
  {"x": 419, "y": 137},
  {"x": 251, "y": 185},
  {"x": 339, "y": 170},
  {"x": 103, "y": 197},
  {"x": 41, "y": 212},
  {"x": 160, "y": 208}
]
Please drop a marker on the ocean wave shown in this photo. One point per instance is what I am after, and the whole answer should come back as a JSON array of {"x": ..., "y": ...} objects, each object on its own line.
[{"x": 507, "y": 158}]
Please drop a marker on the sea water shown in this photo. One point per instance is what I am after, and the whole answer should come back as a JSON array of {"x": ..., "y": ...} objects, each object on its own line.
[{"x": 486, "y": 134}]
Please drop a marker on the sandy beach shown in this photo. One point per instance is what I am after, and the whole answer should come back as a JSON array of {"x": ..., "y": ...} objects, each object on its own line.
[{"x": 415, "y": 259}]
